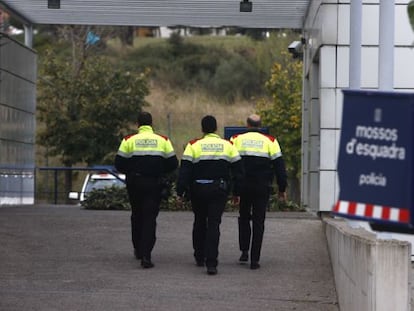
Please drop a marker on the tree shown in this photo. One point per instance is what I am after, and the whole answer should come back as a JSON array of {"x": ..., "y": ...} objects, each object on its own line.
[
  {"x": 282, "y": 114},
  {"x": 85, "y": 112}
]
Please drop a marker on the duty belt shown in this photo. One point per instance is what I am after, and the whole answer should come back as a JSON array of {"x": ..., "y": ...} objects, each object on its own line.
[{"x": 221, "y": 183}]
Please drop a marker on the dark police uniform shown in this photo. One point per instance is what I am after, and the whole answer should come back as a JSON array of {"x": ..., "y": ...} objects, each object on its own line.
[
  {"x": 262, "y": 159},
  {"x": 207, "y": 167},
  {"x": 145, "y": 157}
]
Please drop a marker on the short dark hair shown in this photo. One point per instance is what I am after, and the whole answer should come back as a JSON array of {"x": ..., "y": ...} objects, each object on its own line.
[
  {"x": 144, "y": 118},
  {"x": 254, "y": 120},
  {"x": 209, "y": 124}
]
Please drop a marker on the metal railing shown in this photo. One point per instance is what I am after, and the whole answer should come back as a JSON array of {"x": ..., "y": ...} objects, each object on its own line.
[{"x": 99, "y": 168}]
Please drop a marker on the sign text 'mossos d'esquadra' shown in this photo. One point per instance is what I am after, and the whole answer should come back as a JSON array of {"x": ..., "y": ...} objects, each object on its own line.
[
  {"x": 376, "y": 143},
  {"x": 382, "y": 144}
]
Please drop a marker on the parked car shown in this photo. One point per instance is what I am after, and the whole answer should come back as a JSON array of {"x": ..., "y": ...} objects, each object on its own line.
[{"x": 97, "y": 181}]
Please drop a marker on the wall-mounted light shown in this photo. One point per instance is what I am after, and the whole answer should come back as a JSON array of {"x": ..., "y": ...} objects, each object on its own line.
[
  {"x": 246, "y": 6},
  {"x": 53, "y": 4}
]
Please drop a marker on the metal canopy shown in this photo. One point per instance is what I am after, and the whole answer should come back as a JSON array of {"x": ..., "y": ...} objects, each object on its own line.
[{"x": 195, "y": 13}]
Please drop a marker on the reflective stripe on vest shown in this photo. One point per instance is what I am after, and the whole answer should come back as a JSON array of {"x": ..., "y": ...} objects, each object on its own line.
[
  {"x": 257, "y": 144},
  {"x": 210, "y": 147},
  {"x": 146, "y": 143}
]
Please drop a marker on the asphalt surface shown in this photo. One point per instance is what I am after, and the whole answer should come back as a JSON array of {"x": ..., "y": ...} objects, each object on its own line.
[{"x": 68, "y": 258}]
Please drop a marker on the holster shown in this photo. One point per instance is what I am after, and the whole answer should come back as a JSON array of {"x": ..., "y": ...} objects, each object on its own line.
[{"x": 222, "y": 184}]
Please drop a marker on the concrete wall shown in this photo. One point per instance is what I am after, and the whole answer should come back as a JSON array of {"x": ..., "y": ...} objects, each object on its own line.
[
  {"x": 326, "y": 72},
  {"x": 370, "y": 274}
]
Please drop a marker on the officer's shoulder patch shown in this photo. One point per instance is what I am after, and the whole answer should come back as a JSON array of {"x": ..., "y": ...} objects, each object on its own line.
[
  {"x": 191, "y": 142},
  {"x": 272, "y": 139},
  {"x": 165, "y": 137},
  {"x": 128, "y": 136}
]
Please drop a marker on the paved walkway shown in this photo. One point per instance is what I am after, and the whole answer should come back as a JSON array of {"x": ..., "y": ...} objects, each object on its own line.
[{"x": 68, "y": 258}]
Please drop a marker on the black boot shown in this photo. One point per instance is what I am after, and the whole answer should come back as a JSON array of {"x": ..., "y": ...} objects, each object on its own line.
[
  {"x": 244, "y": 256},
  {"x": 146, "y": 263},
  {"x": 254, "y": 265},
  {"x": 211, "y": 270}
]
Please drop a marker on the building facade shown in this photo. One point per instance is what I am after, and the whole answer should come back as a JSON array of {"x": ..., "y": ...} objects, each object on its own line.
[
  {"x": 17, "y": 122},
  {"x": 326, "y": 37}
]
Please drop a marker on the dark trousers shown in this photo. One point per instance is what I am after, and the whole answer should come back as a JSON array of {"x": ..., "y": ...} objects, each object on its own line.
[
  {"x": 254, "y": 201},
  {"x": 145, "y": 198},
  {"x": 208, "y": 203}
]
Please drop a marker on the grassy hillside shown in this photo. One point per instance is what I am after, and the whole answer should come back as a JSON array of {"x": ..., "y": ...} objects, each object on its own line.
[
  {"x": 177, "y": 110},
  {"x": 178, "y": 115}
]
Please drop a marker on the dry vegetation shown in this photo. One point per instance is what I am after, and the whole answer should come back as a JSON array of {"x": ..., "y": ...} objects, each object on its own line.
[{"x": 185, "y": 111}]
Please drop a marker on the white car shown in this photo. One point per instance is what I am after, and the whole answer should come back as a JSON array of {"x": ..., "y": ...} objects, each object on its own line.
[{"x": 97, "y": 181}]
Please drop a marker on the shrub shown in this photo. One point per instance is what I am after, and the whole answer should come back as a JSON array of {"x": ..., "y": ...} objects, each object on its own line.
[
  {"x": 116, "y": 198},
  {"x": 284, "y": 206},
  {"x": 111, "y": 198},
  {"x": 169, "y": 203},
  {"x": 235, "y": 78},
  {"x": 226, "y": 73}
]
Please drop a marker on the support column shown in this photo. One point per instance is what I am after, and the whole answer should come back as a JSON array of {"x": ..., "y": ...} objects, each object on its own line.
[
  {"x": 355, "y": 44},
  {"x": 386, "y": 45}
]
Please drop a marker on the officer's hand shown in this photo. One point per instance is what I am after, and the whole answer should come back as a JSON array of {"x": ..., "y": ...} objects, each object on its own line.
[
  {"x": 235, "y": 200},
  {"x": 282, "y": 196}
]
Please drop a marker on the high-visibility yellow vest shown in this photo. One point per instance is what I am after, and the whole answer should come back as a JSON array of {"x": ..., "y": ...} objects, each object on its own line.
[
  {"x": 144, "y": 143},
  {"x": 210, "y": 147},
  {"x": 209, "y": 158},
  {"x": 257, "y": 144},
  {"x": 146, "y": 153}
]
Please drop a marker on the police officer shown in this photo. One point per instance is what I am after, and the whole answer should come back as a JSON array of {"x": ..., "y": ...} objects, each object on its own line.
[
  {"x": 207, "y": 167},
  {"x": 262, "y": 159},
  {"x": 145, "y": 157}
]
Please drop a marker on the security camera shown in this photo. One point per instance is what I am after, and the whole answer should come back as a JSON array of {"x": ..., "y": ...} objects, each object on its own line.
[
  {"x": 53, "y": 4},
  {"x": 296, "y": 49},
  {"x": 246, "y": 6}
]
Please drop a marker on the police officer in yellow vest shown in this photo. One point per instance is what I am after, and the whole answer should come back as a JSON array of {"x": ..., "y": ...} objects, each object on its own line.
[
  {"x": 145, "y": 157},
  {"x": 262, "y": 159},
  {"x": 208, "y": 165}
]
